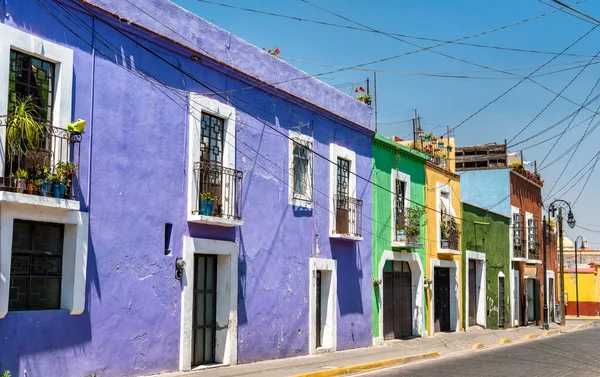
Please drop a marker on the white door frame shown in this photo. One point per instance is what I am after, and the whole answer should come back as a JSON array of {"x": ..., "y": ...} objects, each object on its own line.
[
  {"x": 454, "y": 292},
  {"x": 417, "y": 275},
  {"x": 551, "y": 305},
  {"x": 329, "y": 295},
  {"x": 514, "y": 297},
  {"x": 480, "y": 287},
  {"x": 227, "y": 296}
]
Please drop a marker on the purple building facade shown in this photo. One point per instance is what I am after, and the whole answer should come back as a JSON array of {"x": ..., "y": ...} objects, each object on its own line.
[{"x": 203, "y": 157}]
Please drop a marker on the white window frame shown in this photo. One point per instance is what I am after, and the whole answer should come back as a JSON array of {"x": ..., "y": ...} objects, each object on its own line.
[
  {"x": 299, "y": 200},
  {"x": 528, "y": 216},
  {"x": 335, "y": 152},
  {"x": 443, "y": 188},
  {"x": 75, "y": 250},
  {"x": 61, "y": 57},
  {"x": 403, "y": 177},
  {"x": 199, "y": 104}
]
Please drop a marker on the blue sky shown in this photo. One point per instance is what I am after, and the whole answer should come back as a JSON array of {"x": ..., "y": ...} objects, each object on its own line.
[{"x": 443, "y": 101}]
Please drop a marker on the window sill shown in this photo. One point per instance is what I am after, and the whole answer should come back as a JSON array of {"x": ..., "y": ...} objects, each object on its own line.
[
  {"x": 519, "y": 259},
  {"x": 346, "y": 237},
  {"x": 406, "y": 245},
  {"x": 214, "y": 220},
  {"x": 39, "y": 201},
  {"x": 534, "y": 261},
  {"x": 301, "y": 203},
  {"x": 449, "y": 251}
]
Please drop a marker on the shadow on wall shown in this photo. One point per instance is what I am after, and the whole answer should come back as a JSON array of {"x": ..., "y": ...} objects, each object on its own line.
[
  {"x": 242, "y": 271},
  {"x": 349, "y": 276},
  {"x": 46, "y": 331}
]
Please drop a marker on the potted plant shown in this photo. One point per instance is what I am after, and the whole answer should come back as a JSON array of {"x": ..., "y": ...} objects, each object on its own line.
[
  {"x": 66, "y": 172},
  {"x": 445, "y": 232},
  {"x": 428, "y": 136},
  {"x": 20, "y": 177},
  {"x": 32, "y": 184},
  {"x": 44, "y": 181},
  {"x": 23, "y": 131},
  {"x": 413, "y": 228},
  {"x": 58, "y": 186},
  {"x": 207, "y": 203},
  {"x": 448, "y": 148}
]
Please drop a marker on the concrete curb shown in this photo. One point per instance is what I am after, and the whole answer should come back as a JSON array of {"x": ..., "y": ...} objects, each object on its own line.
[
  {"x": 584, "y": 325},
  {"x": 530, "y": 336},
  {"x": 505, "y": 341},
  {"x": 370, "y": 366},
  {"x": 477, "y": 346}
]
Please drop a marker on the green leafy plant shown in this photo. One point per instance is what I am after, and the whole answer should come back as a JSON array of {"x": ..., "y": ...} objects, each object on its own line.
[
  {"x": 20, "y": 173},
  {"x": 414, "y": 216},
  {"x": 23, "y": 131},
  {"x": 66, "y": 171},
  {"x": 207, "y": 195},
  {"x": 6, "y": 372}
]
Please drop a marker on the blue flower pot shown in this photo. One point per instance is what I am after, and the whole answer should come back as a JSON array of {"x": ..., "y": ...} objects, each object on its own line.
[
  {"x": 58, "y": 190},
  {"x": 206, "y": 207},
  {"x": 427, "y": 138},
  {"x": 45, "y": 188}
]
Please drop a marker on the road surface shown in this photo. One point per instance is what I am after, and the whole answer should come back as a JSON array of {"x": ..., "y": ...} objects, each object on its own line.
[{"x": 571, "y": 354}]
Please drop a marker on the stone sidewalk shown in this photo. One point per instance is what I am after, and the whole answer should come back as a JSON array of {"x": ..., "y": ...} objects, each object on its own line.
[{"x": 391, "y": 353}]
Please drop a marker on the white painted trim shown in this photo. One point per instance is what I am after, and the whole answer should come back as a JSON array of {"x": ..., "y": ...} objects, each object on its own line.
[
  {"x": 227, "y": 295},
  {"x": 551, "y": 305},
  {"x": 418, "y": 302},
  {"x": 39, "y": 201},
  {"x": 403, "y": 177},
  {"x": 329, "y": 326},
  {"x": 454, "y": 292},
  {"x": 214, "y": 220},
  {"x": 61, "y": 56},
  {"x": 199, "y": 104},
  {"x": 515, "y": 308},
  {"x": 336, "y": 151},
  {"x": 481, "y": 287},
  {"x": 346, "y": 237},
  {"x": 528, "y": 216},
  {"x": 300, "y": 202},
  {"x": 75, "y": 249},
  {"x": 446, "y": 189}
]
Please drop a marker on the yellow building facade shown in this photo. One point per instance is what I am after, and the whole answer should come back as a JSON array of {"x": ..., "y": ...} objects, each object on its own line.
[
  {"x": 443, "y": 293},
  {"x": 589, "y": 290}
]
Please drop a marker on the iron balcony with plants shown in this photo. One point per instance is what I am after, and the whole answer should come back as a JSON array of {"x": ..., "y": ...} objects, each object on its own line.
[
  {"x": 39, "y": 159},
  {"x": 449, "y": 232},
  {"x": 218, "y": 191},
  {"x": 407, "y": 227},
  {"x": 348, "y": 216}
]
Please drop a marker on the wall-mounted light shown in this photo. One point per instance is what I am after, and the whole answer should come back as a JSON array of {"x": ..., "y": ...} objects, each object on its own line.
[
  {"x": 179, "y": 267},
  {"x": 376, "y": 282},
  {"x": 427, "y": 283}
]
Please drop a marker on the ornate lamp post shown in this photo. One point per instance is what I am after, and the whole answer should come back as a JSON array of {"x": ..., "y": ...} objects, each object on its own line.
[{"x": 557, "y": 204}]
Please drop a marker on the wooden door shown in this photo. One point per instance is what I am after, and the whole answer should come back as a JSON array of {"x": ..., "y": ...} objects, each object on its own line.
[
  {"x": 536, "y": 299},
  {"x": 397, "y": 302},
  {"x": 319, "y": 321},
  {"x": 441, "y": 283},
  {"x": 472, "y": 293},
  {"x": 204, "y": 323}
]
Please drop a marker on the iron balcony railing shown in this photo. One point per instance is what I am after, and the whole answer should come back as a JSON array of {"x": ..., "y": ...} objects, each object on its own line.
[
  {"x": 218, "y": 191},
  {"x": 46, "y": 166},
  {"x": 534, "y": 251},
  {"x": 450, "y": 240},
  {"x": 519, "y": 248},
  {"x": 401, "y": 228},
  {"x": 348, "y": 216}
]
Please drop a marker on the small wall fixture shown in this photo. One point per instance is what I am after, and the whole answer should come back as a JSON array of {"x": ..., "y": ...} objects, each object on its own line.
[
  {"x": 179, "y": 267},
  {"x": 427, "y": 283},
  {"x": 376, "y": 282}
]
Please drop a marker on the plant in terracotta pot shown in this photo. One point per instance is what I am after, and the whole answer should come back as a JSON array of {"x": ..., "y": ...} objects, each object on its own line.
[
  {"x": 20, "y": 177},
  {"x": 207, "y": 203},
  {"x": 33, "y": 181}
]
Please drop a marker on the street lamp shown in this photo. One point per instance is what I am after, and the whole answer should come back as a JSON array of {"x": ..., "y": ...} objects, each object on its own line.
[
  {"x": 557, "y": 204},
  {"x": 577, "y": 275}
]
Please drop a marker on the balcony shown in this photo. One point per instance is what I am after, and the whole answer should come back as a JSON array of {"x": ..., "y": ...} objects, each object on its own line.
[
  {"x": 347, "y": 219},
  {"x": 519, "y": 248},
  {"x": 216, "y": 195},
  {"x": 407, "y": 228},
  {"x": 42, "y": 170},
  {"x": 533, "y": 255},
  {"x": 450, "y": 242}
]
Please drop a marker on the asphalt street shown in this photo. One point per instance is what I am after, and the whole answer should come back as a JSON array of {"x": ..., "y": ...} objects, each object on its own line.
[{"x": 571, "y": 354}]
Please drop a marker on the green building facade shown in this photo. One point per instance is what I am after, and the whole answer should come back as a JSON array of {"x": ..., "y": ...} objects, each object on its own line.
[
  {"x": 398, "y": 240},
  {"x": 486, "y": 273}
]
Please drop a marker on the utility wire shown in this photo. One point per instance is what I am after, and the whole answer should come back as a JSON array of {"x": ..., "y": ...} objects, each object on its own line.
[
  {"x": 94, "y": 14},
  {"x": 442, "y": 41},
  {"x": 595, "y": 20}
]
